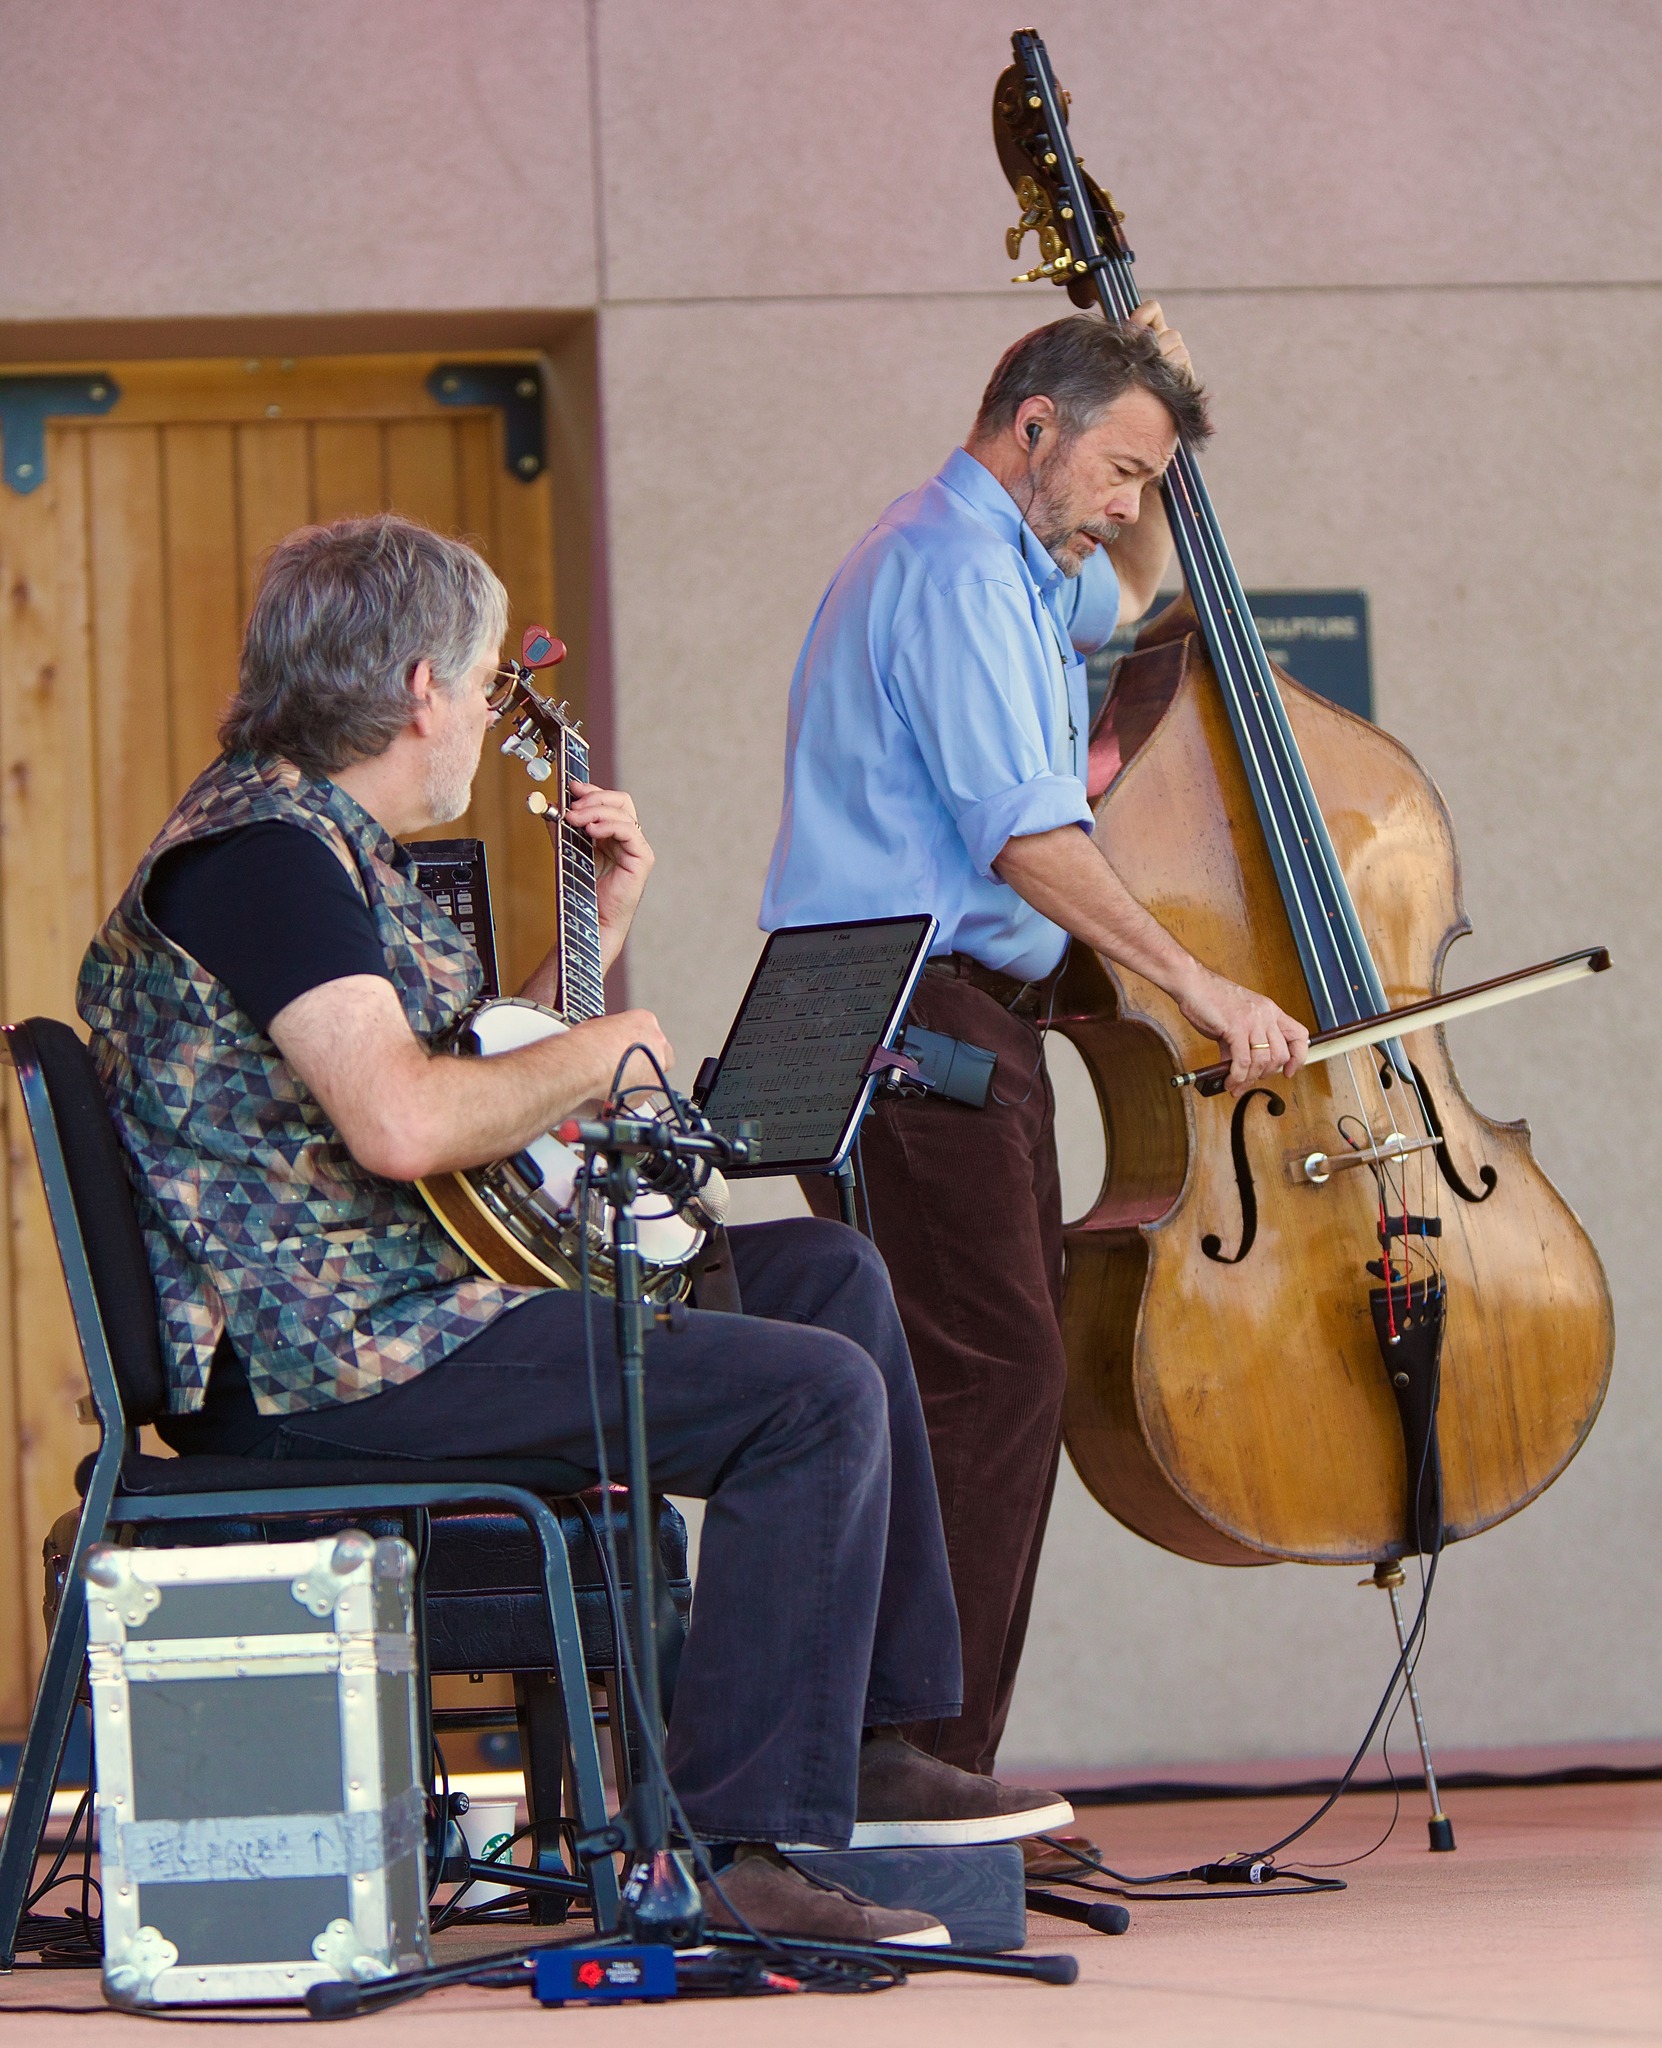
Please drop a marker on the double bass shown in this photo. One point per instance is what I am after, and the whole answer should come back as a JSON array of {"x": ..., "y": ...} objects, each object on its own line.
[{"x": 1346, "y": 1317}]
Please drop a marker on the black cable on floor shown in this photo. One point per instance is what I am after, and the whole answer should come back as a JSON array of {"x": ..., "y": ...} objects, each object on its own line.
[
  {"x": 1187, "y": 1791},
  {"x": 73, "y": 1939}
]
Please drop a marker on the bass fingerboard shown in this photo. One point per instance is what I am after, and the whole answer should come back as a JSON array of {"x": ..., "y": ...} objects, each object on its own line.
[{"x": 582, "y": 979}]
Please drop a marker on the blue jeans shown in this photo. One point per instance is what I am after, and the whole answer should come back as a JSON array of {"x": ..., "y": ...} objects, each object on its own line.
[{"x": 824, "y": 1600}]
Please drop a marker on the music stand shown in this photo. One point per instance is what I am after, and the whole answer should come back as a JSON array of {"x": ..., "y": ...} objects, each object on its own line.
[{"x": 797, "y": 1073}]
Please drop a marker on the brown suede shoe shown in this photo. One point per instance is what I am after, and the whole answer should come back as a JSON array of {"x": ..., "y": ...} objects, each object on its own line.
[
  {"x": 778, "y": 1898},
  {"x": 911, "y": 1801},
  {"x": 1049, "y": 1857}
]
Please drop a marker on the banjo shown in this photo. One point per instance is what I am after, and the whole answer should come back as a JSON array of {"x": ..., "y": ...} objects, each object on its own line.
[{"x": 532, "y": 1220}]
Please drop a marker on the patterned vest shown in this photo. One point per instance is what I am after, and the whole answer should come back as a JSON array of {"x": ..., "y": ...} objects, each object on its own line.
[{"x": 332, "y": 1284}]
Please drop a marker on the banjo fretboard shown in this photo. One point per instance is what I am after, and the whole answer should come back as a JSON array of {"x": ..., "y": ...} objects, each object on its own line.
[{"x": 582, "y": 979}]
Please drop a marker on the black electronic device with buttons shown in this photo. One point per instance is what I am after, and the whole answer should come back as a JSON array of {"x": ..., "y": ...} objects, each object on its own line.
[{"x": 452, "y": 875}]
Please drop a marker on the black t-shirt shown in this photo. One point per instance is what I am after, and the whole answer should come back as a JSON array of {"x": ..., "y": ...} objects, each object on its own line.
[{"x": 268, "y": 910}]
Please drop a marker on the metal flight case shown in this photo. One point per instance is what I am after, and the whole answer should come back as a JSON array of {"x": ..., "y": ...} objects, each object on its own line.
[{"x": 257, "y": 1731}]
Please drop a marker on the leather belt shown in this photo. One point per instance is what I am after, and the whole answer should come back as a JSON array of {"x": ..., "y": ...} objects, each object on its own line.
[{"x": 1020, "y": 998}]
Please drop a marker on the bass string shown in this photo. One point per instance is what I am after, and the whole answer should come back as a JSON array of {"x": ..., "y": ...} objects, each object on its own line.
[
  {"x": 1203, "y": 550},
  {"x": 1288, "y": 808},
  {"x": 1265, "y": 709},
  {"x": 1233, "y": 638},
  {"x": 1276, "y": 794},
  {"x": 1257, "y": 703},
  {"x": 1210, "y": 572},
  {"x": 1306, "y": 903},
  {"x": 1277, "y": 734}
]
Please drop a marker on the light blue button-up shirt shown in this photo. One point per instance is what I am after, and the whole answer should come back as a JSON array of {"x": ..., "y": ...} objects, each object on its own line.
[{"x": 938, "y": 710}]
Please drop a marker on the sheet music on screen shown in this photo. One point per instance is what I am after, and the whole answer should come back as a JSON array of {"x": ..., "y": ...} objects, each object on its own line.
[{"x": 821, "y": 998}]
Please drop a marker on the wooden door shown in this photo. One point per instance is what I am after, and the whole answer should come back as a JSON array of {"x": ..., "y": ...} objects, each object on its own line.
[{"x": 125, "y": 577}]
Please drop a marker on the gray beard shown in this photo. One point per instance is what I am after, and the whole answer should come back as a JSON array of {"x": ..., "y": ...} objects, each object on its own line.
[
  {"x": 449, "y": 789},
  {"x": 1069, "y": 563}
]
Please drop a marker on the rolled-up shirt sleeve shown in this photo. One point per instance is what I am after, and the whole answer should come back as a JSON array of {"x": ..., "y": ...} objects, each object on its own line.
[{"x": 982, "y": 697}]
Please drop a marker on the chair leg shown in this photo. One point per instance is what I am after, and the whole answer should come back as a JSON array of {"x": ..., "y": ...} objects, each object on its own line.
[
  {"x": 542, "y": 1746},
  {"x": 617, "y": 1728},
  {"x": 37, "y": 1767},
  {"x": 588, "y": 1787}
]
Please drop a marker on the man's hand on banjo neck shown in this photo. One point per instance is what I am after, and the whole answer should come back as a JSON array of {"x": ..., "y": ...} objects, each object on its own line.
[{"x": 623, "y": 860}]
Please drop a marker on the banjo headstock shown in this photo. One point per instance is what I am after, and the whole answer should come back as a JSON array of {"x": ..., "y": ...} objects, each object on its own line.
[{"x": 540, "y": 726}]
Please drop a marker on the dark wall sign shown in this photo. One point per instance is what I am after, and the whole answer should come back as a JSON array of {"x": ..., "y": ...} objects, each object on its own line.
[{"x": 1320, "y": 637}]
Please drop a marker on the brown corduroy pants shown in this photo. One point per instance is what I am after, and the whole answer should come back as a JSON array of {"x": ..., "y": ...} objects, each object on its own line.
[{"x": 966, "y": 1209}]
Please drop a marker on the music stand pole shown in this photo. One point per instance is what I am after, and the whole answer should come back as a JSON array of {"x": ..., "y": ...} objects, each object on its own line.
[{"x": 844, "y": 1178}]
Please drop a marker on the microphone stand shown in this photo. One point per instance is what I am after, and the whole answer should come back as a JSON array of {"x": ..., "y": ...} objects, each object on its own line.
[{"x": 660, "y": 1901}]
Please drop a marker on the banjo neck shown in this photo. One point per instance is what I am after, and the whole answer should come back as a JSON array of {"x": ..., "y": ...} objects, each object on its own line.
[
  {"x": 577, "y": 915},
  {"x": 549, "y": 742},
  {"x": 529, "y": 1221}
]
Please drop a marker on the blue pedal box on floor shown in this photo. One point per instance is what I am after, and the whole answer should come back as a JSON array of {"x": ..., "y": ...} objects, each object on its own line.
[{"x": 604, "y": 1976}]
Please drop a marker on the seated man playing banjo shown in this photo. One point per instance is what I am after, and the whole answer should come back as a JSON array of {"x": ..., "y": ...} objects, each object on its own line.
[{"x": 267, "y": 1003}]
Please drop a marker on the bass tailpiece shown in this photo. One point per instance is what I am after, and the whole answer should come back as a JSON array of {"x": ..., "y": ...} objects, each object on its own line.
[{"x": 1408, "y": 1320}]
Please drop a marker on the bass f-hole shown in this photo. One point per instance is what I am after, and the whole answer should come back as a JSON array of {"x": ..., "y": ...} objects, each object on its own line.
[
  {"x": 1445, "y": 1166},
  {"x": 1211, "y": 1244}
]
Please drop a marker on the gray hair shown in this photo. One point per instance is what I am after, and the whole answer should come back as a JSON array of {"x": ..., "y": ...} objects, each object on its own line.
[
  {"x": 341, "y": 616},
  {"x": 1082, "y": 364}
]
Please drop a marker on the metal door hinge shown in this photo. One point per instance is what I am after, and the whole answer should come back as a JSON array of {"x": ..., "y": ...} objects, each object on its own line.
[
  {"x": 516, "y": 390},
  {"x": 27, "y": 403}
]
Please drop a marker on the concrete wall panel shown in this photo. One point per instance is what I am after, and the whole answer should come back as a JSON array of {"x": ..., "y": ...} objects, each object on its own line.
[
  {"x": 191, "y": 157},
  {"x": 753, "y": 149}
]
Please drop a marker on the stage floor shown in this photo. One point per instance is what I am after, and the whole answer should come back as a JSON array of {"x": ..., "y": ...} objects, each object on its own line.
[{"x": 1544, "y": 1926}]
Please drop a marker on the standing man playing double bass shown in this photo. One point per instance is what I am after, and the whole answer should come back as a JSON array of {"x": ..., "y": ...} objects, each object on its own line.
[{"x": 935, "y": 761}]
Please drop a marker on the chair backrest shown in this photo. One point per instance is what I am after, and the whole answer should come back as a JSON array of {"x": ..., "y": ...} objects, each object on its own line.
[{"x": 90, "y": 1201}]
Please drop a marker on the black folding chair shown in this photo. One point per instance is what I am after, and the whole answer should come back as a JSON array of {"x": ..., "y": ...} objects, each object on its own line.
[{"x": 89, "y": 1201}]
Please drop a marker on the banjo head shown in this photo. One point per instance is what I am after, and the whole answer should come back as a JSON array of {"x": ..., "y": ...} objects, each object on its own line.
[
  {"x": 509, "y": 1022},
  {"x": 543, "y": 1219}
]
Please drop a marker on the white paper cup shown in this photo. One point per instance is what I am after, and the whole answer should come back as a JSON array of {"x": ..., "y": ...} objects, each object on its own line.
[{"x": 486, "y": 1826}]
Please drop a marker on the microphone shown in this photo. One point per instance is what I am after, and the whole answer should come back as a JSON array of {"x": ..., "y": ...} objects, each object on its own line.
[
  {"x": 685, "y": 1180},
  {"x": 648, "y": 1134}
]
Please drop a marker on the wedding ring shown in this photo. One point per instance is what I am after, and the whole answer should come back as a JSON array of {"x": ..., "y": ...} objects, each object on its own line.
[{"x": 1258, "y": 1045}]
